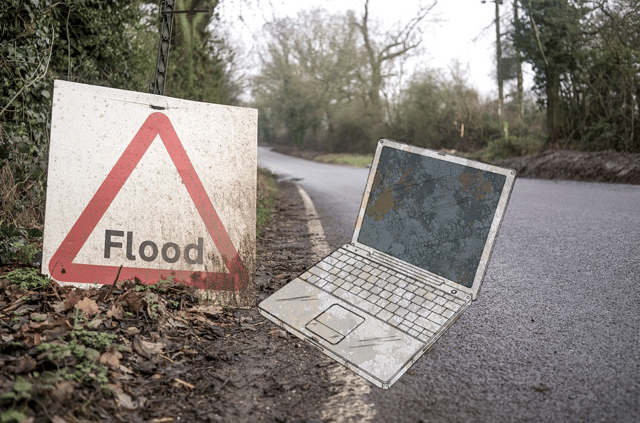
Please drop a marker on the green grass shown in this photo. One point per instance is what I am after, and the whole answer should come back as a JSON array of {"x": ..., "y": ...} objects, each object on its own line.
[
  {"x": 27, "y": 278},
  {"x": 359, "y": 160},
  {"x": 500, "y": 149},
  {"x": 267, "y": 192}
]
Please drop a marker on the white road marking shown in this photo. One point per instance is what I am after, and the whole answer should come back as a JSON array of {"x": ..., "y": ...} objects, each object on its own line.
[{"x": 350, "y": 404}]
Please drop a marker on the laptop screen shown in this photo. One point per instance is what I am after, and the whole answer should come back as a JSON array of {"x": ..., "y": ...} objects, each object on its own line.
[{"x": 431, "y": 213}]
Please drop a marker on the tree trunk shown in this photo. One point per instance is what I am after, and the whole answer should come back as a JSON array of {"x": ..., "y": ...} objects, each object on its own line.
[{"x": 554, "y": 118}]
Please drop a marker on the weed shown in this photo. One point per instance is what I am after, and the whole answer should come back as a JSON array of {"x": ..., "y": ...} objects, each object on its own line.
[
  {"x": 12, "y": 415},
  {"x": 21, "y": 393},
  {"x": 27, "y": 278},
  {"x": 14, "y": 245},
  {"x": 501, "y": 148},
  {"x": 84, "y": 346},
  {"x": 267, "y": 192},
  {"x": 158, "y": 287}
]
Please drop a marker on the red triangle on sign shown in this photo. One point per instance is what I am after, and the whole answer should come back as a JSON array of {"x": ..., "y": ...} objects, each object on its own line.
[{"x": 61, "y": 266}]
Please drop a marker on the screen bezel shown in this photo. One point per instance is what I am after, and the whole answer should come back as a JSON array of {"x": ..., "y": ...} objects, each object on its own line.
[{"x": 509, "y": 174}]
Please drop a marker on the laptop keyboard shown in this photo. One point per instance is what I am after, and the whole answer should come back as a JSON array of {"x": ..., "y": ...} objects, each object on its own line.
[{"x": 404, "y": 302}]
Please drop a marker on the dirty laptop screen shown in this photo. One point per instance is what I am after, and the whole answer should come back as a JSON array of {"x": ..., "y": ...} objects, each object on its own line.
[{"x": 431, "y": 213}]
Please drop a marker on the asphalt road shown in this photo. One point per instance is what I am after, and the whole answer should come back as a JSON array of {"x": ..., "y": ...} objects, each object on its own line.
[{"x": 555, "y": 333}]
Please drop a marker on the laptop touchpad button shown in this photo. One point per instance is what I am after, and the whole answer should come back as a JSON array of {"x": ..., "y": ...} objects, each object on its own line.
[{"x": 334, "y": 323}]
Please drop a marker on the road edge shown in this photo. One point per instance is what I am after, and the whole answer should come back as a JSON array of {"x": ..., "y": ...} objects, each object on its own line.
[{"x": 350, "y": 404}]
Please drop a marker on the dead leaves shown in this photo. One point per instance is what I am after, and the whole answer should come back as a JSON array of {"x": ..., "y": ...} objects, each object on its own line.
[
  {"x": 118, "y": 338},
  {"x": 88, "y": 307},
  {"x": 146, "y": 349},
  {"x": 111, "y": 358}
]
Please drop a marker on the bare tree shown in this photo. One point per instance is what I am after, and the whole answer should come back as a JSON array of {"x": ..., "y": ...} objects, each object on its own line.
[{"x": 383, "y": 50}]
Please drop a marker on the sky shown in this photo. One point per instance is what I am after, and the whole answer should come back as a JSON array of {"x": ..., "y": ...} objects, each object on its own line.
[{"x": 465, "y": 30}]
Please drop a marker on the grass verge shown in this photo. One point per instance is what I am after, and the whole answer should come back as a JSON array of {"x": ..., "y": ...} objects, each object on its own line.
[
  {"x": 267, "y": 192},
  {"x": 359, "y": 160}
]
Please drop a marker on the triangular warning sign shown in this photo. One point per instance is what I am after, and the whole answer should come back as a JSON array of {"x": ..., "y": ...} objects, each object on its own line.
[{"x": 61, "y": 266}]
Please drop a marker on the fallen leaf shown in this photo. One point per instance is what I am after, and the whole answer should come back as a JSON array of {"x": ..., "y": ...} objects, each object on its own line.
[
  {"x": 88, "y": 306},
  {"x": 146, "y": 348},
  {"x": 94, "y": 323},
  {"x": 63, "y": 390},
  {"x": 112, "y": 358},
  {"x": 71, "y": 299},
  {"x": 125, "y": 369},
  {"x": 180, "y": 382},
  {"x": 176, "y": 323},
  {"x": 132, "y": 300},
  {"x": 125, "y": 401},
  {"x": 115, "y": 312},
  {"x": 24, "y": 364},
  {"x": 278, "y": 333},
  {"x": 59, "y": 306},
  {"x": 211, "y": 310}
]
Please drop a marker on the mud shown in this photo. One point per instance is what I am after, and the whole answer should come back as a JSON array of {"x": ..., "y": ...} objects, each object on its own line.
[
  {"x": 600, "y": 166},
  {"x": 174, "y": 358}
]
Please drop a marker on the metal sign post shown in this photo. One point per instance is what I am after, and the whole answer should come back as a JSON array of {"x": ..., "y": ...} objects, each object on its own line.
[{"x": 166, "y": 27}]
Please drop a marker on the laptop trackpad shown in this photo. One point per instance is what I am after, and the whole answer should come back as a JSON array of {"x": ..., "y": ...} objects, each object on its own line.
[{"x": 334, "y": 323}]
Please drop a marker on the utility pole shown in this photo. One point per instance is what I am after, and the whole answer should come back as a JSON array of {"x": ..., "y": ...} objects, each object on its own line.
[{"x": 499, "y": 60}]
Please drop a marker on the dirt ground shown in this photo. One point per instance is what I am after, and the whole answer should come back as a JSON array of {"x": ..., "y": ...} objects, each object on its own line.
[
  {"x": 600, "y": 166},
  {"x": 166, "y": 356}
]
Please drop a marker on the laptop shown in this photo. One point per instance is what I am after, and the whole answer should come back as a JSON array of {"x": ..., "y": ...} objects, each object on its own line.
[{"x": 420, "y": 249}]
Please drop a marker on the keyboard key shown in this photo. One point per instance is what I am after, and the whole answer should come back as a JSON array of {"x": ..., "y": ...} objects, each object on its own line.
[
  {"x": 376, "y": 290},
  {"x": 384, "y": 315},
  {"x": 401, "y": 312},
  {"x": 342, "y": 274},
  {"x": 440, "y": 301},
  {"x": 382, "y": 302},
  {"x": 385, "y": 294},
  {"x": 395, "y": 320},
  {"x": 403, "y": 326},
  {"x": 404, "y": 303},
  {"x": 437, "y": 309},
  {"x": 391, "y": 307},
  {"x": 428, "y": 324},
  {"x": 437, "y": 318},
  {"x": 424, "y": 312},
  {"x": 413, "y": 307}
]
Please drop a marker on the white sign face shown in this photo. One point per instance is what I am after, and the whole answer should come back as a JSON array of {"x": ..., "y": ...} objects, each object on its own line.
[{"x": 151, "y": 187}]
